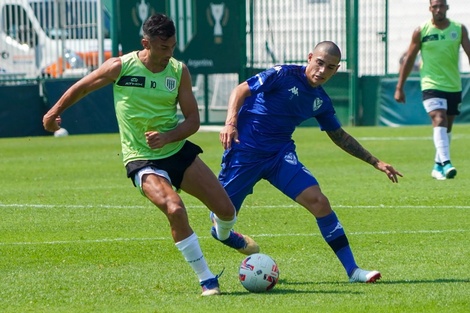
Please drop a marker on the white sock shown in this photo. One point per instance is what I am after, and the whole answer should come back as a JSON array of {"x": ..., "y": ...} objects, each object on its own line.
[
  {"x": 441, "y": 142},
  {"x": 192, "y": 253},
  {"x": 223, "y": 228}
]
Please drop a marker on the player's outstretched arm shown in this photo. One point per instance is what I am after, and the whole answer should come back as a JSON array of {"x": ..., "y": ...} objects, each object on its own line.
[
  {"x": 102, "y": 76},
  {"x": 349, "y": 144}
]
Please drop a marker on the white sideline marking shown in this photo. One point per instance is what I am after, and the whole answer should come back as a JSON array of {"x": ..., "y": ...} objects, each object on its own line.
[
  {"x": 403, "y": 138},
  {"x": 210, "y": 128},
  {"x": 218, "y": 128},
  {"x": 393, "y": 232},
  {"x": 104, "y": 240},
  {"x": 394, "y": 138},
  {"x": 279, "y": 206},
  {"x": 71, "y": 206}
]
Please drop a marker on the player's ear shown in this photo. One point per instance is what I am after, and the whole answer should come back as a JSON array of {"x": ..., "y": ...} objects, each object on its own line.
[
  {"x": 309, "y": 57},
  {"x": 337, "y": 67},
  {"x": 145, "y": 43}
]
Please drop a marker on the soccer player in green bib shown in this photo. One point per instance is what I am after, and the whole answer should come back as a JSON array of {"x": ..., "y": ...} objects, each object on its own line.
[
  {"x": 148, "y": 85},
  {"x": 439, "y": 41}
]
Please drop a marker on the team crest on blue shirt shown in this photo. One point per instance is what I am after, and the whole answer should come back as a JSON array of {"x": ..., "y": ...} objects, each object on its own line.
[
  {"x": 170, "y": 83},
  {"x": 317, "y": 103},
  {"x": 290, "y": 158}
]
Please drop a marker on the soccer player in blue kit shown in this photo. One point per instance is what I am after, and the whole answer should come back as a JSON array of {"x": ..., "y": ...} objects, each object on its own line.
[{"x": 262, "y": 115}]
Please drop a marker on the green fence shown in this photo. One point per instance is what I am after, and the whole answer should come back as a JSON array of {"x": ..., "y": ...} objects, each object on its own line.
[
  {"x": 218, "y": 39},
  {"x": 224, "y": 42}
]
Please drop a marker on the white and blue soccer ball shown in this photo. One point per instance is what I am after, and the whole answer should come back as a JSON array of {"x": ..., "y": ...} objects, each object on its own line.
[
  {"x": 61, "y": 132},
  {"x": 258, "y": 273}
]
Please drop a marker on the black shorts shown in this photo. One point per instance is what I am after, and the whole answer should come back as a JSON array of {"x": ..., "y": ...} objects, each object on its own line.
[
  {"x": 454, "y": 99},
  {"x": 174, "y": 165}
]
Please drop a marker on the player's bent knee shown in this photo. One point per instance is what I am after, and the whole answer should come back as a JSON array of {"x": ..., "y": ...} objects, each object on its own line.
[
  {"x": 317, "y": 204},
  {"x": 177, "y": 214}
]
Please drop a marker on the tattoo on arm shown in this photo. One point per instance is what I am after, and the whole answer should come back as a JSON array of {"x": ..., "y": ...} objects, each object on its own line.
[{"x": 346, "y": 142}]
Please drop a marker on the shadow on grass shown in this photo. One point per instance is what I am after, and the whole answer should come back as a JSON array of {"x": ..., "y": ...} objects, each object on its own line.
[
  {"x": 282, "y": 287},
  {"x": 279, "y": 290},
  {"x": 381, "y": 282}
]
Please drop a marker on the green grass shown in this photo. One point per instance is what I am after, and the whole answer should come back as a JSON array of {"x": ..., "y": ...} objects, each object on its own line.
[{"x": 75, "y": 236}]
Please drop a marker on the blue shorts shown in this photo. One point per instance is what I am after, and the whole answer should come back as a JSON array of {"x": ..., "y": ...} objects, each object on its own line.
[{"x": 242, "y": 170}]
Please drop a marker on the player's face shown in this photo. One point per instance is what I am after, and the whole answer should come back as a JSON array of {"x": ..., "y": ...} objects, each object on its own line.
[
  {"x": 160, "y": 50},
  {"x": 438, "y": 9},
  {"x": 321, "y": 66}
]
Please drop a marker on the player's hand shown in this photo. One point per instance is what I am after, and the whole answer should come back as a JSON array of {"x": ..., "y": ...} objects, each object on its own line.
[
  {"x": 392, "y": 174},
  {"x": 228, "y": 134},
  {"x": 155, "y": 140},
  {"x": 399, "y": 96},
  {"x": 51, "y": 123}
]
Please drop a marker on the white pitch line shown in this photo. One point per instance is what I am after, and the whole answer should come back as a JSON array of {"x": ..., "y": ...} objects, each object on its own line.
[
  {"x": 62, "y": 242},
  {"x": 279, "y": 206},
  {"x": 111, "y": 240},
  {"x": 394, "y": 138},
  {"x": 70, "y": 206},
  {"x": 406, "y": 138},
  {"x": 392, "y": 232},
  {"x": 104, "y": 240},
  {"x": 402, "y": 206}
]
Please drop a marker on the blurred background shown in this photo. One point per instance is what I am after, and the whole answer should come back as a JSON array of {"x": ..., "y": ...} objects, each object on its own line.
[{"x": 47, "y": 45}]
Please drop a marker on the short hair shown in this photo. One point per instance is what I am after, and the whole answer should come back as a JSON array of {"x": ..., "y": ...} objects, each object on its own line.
[
  {"x": 445, "y": 2},
  {"x": 158, "y": 25},
  {"x": 330, "y": 47}
]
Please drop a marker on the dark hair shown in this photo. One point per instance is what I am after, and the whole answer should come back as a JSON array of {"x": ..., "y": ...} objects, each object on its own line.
[
  {"x": 330, "y": 47},
  {"x": 445, "y": 2},
  {"x": 159, "y": 25}
]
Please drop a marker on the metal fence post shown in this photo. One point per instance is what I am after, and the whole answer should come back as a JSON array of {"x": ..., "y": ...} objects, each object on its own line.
[{"x": 352, "y": 19}]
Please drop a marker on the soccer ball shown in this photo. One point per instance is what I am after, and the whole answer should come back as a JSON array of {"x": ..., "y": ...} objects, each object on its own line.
[
  {"x": 61, "y": 132},
  {"x": 258, "y": 273}
]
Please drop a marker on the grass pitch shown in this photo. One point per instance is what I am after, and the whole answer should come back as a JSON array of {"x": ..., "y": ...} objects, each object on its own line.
[{"x": 75, "y": 236}]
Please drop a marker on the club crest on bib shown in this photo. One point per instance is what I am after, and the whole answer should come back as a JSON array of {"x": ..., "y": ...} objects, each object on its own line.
[
  {"x": 170, "y": 83},
  {"x": 454, "y": 35}
]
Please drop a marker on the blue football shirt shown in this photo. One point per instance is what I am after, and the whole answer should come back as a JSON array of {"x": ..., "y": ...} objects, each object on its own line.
[{"x": 281, "y": 99}]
